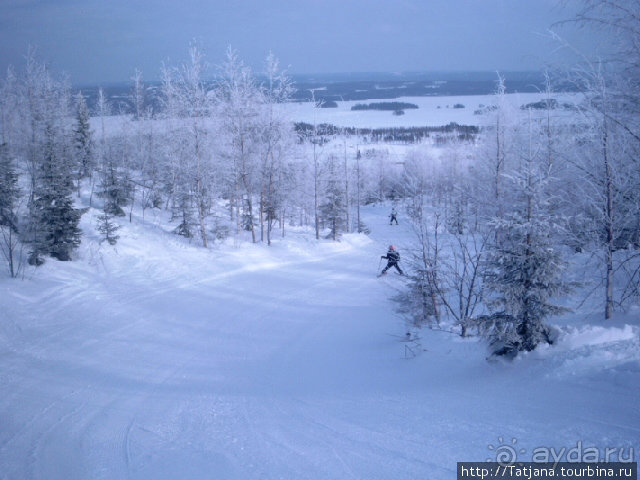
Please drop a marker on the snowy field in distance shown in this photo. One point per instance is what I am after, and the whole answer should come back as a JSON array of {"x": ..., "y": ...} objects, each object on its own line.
[
  {"x": 427, "y": 113},
  {"x": 431, "y": 111}
]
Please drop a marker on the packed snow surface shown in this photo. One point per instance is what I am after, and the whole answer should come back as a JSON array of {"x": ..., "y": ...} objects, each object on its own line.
[{"x": 158, "y": 359}]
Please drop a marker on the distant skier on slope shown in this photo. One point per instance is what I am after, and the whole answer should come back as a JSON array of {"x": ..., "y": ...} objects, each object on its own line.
[
  {"x": 392, "y": 257},
  {"x": 393, "y": 216}
]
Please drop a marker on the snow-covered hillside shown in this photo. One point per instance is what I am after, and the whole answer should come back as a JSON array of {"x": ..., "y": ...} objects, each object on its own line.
[{"x": 160, "y": 359}]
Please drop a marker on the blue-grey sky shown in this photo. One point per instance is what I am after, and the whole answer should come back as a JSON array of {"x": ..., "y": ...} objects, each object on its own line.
[{"x": 105, "y": 40}]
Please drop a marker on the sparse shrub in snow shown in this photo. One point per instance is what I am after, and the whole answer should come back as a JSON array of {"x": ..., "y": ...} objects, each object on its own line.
[
  {"x": 363, "y": 228},
  {"x": 419, "y": 300},
  {"x": 221, "y": 229}
]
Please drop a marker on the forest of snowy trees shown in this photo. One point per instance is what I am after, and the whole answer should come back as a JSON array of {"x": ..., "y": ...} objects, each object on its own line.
[
  {"x": 496, "y": 232},
  {"x": 219, "y": 156},
  {"x": 497, "y": 219}
]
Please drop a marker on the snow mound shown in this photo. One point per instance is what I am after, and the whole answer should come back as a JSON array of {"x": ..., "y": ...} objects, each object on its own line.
[
  {"x": 592, "y": 349},
  {"x": 576, "y": 337}
]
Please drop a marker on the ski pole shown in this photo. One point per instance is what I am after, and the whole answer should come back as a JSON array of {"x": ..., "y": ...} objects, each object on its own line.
[{"x": 379, "y": 262}]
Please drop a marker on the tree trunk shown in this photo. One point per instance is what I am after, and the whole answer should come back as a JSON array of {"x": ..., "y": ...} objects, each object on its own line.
[{"x": 608, "y": 311}]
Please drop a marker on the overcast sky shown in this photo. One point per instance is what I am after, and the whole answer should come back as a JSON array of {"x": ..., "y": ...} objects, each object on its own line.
[{"x": 105, "y": 40}]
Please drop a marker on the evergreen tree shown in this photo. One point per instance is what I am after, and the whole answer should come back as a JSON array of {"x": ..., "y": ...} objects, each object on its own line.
[
  {"x": 82, "y": 141},
  {"x": 108, "y": 228},
  {"x": 333, "y": 208},
  {"x": 524, "y": 270},
  {"x": 114, "y": 188},
  {"x": 9, "y": 197},
  {"x": 184, "y": 210},
  {"x": 9, "y": 191},
  {"x": 54, "y": 219}
]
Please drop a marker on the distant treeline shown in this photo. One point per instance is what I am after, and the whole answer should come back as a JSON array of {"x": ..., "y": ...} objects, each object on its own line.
[
  {"x": 328, "y": 104},
  {"x": 391, "y": 106},
  {"x": 391, "y": 134},
  {"x": 347, "y": 87},
  {"x": 548, "y": 104}
]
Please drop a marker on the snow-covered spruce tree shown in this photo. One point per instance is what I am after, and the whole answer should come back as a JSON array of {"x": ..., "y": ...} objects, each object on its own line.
[
  {"x": 107, "y": 227},
  {"x": 113, "y": 187},
  {"x": 333, "y": 208},
  {"x": 51, "y": 227},
  {"x": 183, "y": 210},
  {"x": 523, "y": 269},
  {"x": 53, "y": 217},
  {"x": 9, "y": 198},
  {"x": 40, "y": 107},
  {"x": 83, "y": 146},
  {"x": 9, "y": 191},
  {"x": 14, "y": 126}
]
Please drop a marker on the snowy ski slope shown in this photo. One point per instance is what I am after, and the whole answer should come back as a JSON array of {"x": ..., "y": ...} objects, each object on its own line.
[{"x": 157, "y": 359}]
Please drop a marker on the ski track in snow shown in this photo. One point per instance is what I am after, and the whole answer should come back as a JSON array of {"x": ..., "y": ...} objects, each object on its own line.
[{"x": 159, "y": 360}]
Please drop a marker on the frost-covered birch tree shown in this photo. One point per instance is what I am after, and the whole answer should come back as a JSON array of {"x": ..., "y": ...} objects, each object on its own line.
[
  {"x": 239, "y": 100},
  {"x": 187, "y": 98},
  {"x": 275, "y": 145}
]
